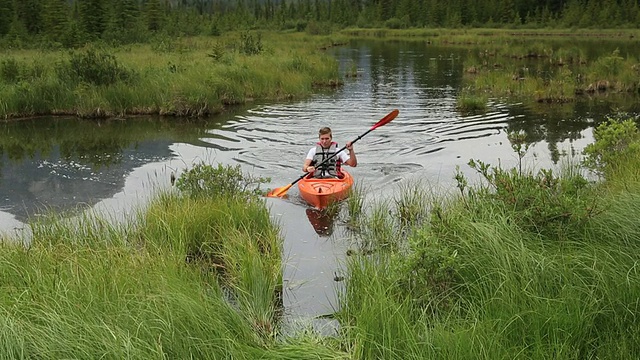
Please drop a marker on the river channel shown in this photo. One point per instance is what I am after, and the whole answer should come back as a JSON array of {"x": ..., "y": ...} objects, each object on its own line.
[{"x": 114, "y": 166}]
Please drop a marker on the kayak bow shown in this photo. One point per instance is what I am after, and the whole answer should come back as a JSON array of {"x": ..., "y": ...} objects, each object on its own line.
[{"x": 322, "y": 192}]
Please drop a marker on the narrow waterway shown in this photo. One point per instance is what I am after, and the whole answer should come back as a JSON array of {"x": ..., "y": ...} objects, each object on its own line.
[{"x": 114, "y": 166}]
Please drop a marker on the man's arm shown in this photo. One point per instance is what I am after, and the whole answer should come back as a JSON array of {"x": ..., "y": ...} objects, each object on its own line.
[
  {"x": 353, "y": 160},
  {"x": 306, "y": 167}
]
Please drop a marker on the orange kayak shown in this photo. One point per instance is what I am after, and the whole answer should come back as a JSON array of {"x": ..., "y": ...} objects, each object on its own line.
[{"x": 321, "y": 192}]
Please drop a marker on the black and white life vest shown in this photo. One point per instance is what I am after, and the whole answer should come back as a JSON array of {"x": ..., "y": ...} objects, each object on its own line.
[{"x": 329, "y": 169}]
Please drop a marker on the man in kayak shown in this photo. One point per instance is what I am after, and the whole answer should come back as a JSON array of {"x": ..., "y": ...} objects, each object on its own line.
[{"x": 324, "y": 149}]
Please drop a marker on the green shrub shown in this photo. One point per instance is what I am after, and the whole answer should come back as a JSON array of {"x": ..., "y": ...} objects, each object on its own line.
[
  {"x": 394, "y": 23},
  {"x": 429, "y": 272},
  {"x": 94, "y": 67},
  {"x": 250, "y": 45},
  {"x": 541, "y": 202},
  {"x": 10, "y": 70},
  {"x": 204, "y": 180},
  {"x": 616, "y": 141}
]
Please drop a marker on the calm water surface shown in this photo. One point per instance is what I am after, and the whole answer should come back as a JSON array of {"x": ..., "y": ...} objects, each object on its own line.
[{"x": 114, "y": 166}]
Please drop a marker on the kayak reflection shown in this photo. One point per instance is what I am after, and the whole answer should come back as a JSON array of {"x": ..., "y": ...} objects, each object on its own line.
[{"x": 322, "y": 220}]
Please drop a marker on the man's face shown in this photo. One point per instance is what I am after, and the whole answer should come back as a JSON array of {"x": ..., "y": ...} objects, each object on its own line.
[{"x": 325, "y": 140}]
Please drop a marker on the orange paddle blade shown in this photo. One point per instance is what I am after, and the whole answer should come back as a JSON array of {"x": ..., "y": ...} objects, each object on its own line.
[
  {"x": 387, "y": 119},
  {"x": 279, "y": 192}
]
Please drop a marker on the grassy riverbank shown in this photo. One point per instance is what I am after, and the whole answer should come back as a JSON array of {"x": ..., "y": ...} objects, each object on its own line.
[
  {"x": 170, "y": 76},
  {"x": 528, "y": 264}
]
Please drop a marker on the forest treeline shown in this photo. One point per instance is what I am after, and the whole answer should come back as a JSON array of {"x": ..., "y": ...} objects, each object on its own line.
[{"x": 69, "y": 23}]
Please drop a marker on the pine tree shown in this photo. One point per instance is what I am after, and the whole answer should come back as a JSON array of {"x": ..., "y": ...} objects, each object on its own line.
[
  {"x": 93, "y": 17},
  {"x": 29, "y": 13},
  {"x": 154, "y": 15},
  {"x": 56, "y": 19},
  {"x": 122, "y": 24},
  {"x": 6, "y": 15}
]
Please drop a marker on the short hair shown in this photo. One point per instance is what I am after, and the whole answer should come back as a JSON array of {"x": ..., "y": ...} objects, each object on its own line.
[{"x": 324, "y": 131}]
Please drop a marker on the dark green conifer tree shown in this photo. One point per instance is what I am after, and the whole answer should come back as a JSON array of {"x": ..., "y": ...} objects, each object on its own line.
[
  {"x": 93, "y": 17},
  {"x": 55, "y": 19},
  {"x": 154, "y": 15},
  {"x": 6, "y": 16},
  {"x": 29, "y": 14}
]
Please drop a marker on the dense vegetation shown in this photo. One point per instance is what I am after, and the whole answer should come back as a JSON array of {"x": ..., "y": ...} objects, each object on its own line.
[
  {"x": 526, "y": 264},
  {"x": 173, "y": 77},
  {"x": 530, "y": 263},
  {"x": 52, "y": 23}
]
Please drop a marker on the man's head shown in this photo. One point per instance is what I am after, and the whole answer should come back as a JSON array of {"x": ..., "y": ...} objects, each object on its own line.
[{"x": 325, "y": 137}]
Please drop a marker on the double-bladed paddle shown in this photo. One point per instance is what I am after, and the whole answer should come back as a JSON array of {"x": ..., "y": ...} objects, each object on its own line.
[{"x": 282, "y": 191}]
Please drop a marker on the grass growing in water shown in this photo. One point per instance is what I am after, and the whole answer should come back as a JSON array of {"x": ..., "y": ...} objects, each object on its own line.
[
  {"x": 478, "y": 276},
  {"x": 493, "y": 273},
  {"x": 196, "y": 275}
]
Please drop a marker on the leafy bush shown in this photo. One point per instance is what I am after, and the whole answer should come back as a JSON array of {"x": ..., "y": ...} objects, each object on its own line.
[
  {"x": 609, "y": 65},
  {"x": 250, "y": 45},
  {"x": 429, "y": 272},
  {"x": 318, "y": 28},
  {"x": 9, "y": 70},
  {"x": 539, "y": 202},
  {"x": 94, "y": 67},
  {"x": 615, "y": 142},
  {"x": 394, "y": 23},
  {"x": 204, "y": 180}
]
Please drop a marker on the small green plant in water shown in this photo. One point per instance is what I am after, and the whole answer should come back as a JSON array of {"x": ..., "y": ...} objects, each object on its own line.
[
  {"x": 410, "y": 205},
  {"x": 204, "y": 180},
  {"x": 355, "y": 205},
  {"x": 519, "y": 145}
]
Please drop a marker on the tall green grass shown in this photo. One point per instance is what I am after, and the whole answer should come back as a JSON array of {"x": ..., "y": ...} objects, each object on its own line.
[
  {"x": 522, "y": 265},
  {"x": 475, "y": 280},
  {"x": 176, "y": 77},
  {"x": 190, "y": 277}
]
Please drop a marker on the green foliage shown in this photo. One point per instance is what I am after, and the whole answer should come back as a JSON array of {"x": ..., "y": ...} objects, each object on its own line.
[
  {"x": 217, "y": 52},
  {"x": 394, "y": 23},
  {"x": 249, "y": 45},
  {"x": 94, "y": 67},
  {"x": 468, "y": 103},
  {"x": 92, "y": 17},
  {"x": 9, "y": 70},
  {"x": 616, "y": 142},
  {"x": 318, "y": 28},
  {"x": 429, "y": 272},
  {"x": 542, "y": 203},
  {"x": 355, "y": 206},
  {"x": 204, "y": 180},
  {"x": 609, "y": 66}
]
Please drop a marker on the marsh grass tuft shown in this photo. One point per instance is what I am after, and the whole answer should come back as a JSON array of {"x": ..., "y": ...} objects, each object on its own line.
[{"x": 355, "y": 205}]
